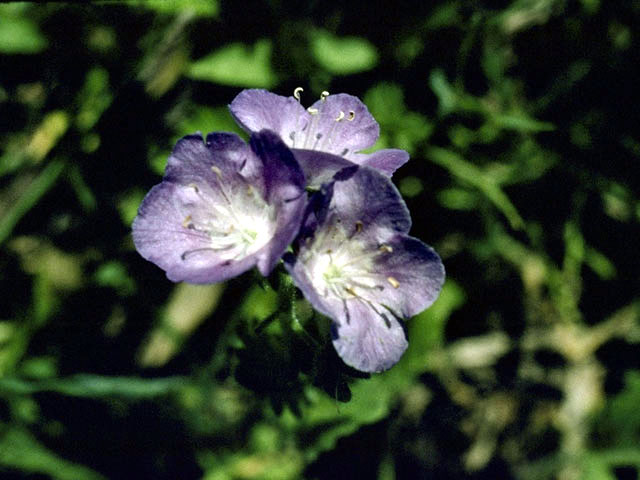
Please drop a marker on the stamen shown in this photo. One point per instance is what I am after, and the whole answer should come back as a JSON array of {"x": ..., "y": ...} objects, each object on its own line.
[
  {"x": 393, "y": 282},
  {"x": 350, "y": 291},
  {"x": 385, "y": 249},
  {"x": 324, "y": 95},
  {"x": 195, "y": 187},
  {"x": 352, "y": 116},
  {"x": 292, "y": 135},
  {"x": 217, "y": 171},
  {"x": 188, "y": 253},
  {"x": 359, "y": 226},
  {"x": 327, "y": 138},
  {"x": 312, "y": 111},
  {"x": 186, "y": 223}
]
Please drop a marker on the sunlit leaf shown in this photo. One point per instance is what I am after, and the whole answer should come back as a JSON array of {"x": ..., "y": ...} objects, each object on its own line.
[
  {"x": 473, "y": 175},
  {"x": 19, "y": 35},
  {"x": 400, "y": 127},
  {"x": 343, "y": 55},
  {"x": 95, "y": 97},
  {"x": 207, "y": 119},
  {"x": 237, "y": 65},
  {"x": 203, "y": 8},
  {"x": 20, "y": 450},
  {"x": 410, "y": 186},
  {"x": 29, "y": 196},
  {"x": 95, "y": 386},
  {"x": 114, "y": 274}
]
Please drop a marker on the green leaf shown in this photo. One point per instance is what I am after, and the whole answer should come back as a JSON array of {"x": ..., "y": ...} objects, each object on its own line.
[
  {"x": 426, "y": 330},
  {"x": 30, "y": 197},
  {"x": 114, "y": 274},
  {"x": 619, "y": 421},
  {"x": 411, "y": 186},
  {"x": 343, "y": 55},
  {"x": 521, "y": 122},
  {"x": 237, "y": 65},
  {"x": 207, "y": 119},
  {"x": 20, "y": 35},
  {"x": 94, "y": 98},
  {"x": 447, "y": 96},
  {"x": 20, "y": 450},
  {"x": 95, "y": 386},
  {"x": 403, "y": 129},
  {"x": 483, "y": 181},
  {"x": 202, "y": 8}
]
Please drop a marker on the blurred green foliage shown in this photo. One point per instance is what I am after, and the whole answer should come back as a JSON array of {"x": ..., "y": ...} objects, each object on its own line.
[{"x": 524, "y": 145}]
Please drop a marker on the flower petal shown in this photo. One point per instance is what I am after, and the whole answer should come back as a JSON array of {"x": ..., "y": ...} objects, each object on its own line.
[
  {"x": 341, "y": 125},
  {"x": 224, "y": 155},
  {"x": 362, "y": 196},
  {"x": 368, "y": 342},
  {"x": 386, "y": 161},
  {"x": 285, "y": 189},
  {"x": 160, "y": 236},
  {"x": 412, "y": 275},
  {"x": 319, "y": 167},
  {"x": 257, "y": 109}
]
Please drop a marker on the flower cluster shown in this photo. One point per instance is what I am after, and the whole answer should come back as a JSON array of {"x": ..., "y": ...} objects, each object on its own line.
[{"x": 225, "y": 206}]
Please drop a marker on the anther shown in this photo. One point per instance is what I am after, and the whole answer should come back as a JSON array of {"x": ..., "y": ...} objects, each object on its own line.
[
  {"x": 195, "y": 187},
  {"x": 340, "y": 116},
  {"x": 186, "y": 223},
  {"x": 312, "y": 111},
  {"x": 350, "y": 291},
  {"x": 359, "y": 226},
  {"x": 217, "y": 171},
  {"x": 393, "y": 282},
  {"x": 297, "y": 92},
  {"x": 352, "y": 116},
  {"x": 386, "y": 248},
  {"x": 324, "y": 95}
]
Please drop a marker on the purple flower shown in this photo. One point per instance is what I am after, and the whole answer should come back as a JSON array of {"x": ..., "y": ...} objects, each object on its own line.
[
  {"x": 356, "y": 264},
  {"x": 339, "y": 125},
  {"x": 222, "y": 207}
]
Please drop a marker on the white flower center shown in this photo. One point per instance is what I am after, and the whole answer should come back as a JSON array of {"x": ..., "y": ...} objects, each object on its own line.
[
  {"x": 237, "y": 227},
  {"x": 340, "y": 266}
]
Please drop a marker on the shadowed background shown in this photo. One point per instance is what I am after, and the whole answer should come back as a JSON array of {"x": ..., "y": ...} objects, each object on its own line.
[{"x": 523, "y": 133}]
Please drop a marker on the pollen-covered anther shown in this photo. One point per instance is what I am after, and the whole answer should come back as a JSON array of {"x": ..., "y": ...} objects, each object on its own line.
[
  {"x": 340, "y": 116},
  {"x": 352, "y": 116},
  {"x": 393, "y": 282},
  {"x": 186, "y": 223},
  {"x": 312, "y": 111},
  {"x": 385, "y": 249},
  {"x": 324, "y": 95},
  {"x": 297, "y": 92}
]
